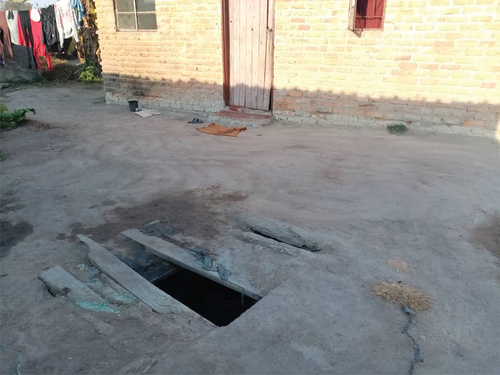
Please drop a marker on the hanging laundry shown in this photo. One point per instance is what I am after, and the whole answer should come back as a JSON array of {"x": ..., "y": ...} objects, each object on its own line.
[
  {"x": 49, "y": 27},
  {"x": 2, "y": 56},
  {"x": 6, "y": 36},
  {"x": 77, "y": 5},
  {"x": 39, "y": 48},
  {"x": 65, "y": 20},
  {"x": 26, "y": 35},
  {"x": 12, "y": 22}
]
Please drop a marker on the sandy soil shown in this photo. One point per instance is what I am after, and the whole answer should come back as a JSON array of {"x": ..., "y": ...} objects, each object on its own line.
[{"x": 419, "y": 208}]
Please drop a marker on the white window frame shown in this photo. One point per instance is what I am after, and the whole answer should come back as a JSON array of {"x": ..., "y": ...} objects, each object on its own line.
[{"x": 135, "y": 13}]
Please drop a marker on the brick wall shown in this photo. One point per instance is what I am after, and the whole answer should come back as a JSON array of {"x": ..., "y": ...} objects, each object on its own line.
[
  {"x": 436, "y": 62},
  {"x": 177, "y": 66}
]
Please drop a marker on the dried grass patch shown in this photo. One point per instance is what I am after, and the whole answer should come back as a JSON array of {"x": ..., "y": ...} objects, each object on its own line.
[{"x": 403, "y": 295}]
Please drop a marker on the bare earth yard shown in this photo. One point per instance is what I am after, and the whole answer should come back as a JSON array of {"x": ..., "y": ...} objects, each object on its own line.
[{"x": 374, "y": 200}]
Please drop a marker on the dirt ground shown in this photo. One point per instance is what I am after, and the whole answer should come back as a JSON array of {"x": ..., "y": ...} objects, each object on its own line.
[{"x": 428, "y": 203}]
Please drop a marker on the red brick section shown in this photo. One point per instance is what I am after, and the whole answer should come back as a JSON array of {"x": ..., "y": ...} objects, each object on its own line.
[
  {"x": 178, "y": 66},
  {"x": 437, "y": 62}
]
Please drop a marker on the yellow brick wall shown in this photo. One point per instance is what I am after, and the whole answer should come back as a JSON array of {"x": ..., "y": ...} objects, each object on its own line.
[
  {"x": 435, "y": 62},
  {"x": 178, "y": 66}
]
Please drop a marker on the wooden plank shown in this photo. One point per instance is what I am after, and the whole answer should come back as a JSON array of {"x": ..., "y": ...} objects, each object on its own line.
[
  {"x": 249, "y": 53},
  {"x": 225, "y": 52},
  {"x": 243, "y": 57},
  {"x": 114, "y": 285},
  {"x": 269, "y": 56},
  {"x": 152, "y": 296},
  {"x": 383, "y": 15},
  {"x": 352, "y": 15},
  {"x": 232, "y": 57},
  {"x": 184, "y": 259},
  {"x": 255, "y": 53},
  {"x": 110, "y": 294},
  {"x": 61, "y": 283},
  {"x": 235, "y": 8},
  {"x": 262, "y": 54}
]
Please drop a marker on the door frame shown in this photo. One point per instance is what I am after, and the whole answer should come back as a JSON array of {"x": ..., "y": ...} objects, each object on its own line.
[{"x": 226, "y": 52}]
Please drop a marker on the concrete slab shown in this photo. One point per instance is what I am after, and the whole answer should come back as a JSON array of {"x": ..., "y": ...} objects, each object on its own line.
[
  {"x": 233, "y": 118},
  {"x": 371, "y": 197}
]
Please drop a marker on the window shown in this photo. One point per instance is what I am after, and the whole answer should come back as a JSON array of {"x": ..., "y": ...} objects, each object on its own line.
[
  {"x": 366, "y": 14},
  {"x": 135, "y": 14}
]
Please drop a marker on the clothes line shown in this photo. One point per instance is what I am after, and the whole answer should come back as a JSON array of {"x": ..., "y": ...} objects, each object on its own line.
[{"x": 40, "y": 29}]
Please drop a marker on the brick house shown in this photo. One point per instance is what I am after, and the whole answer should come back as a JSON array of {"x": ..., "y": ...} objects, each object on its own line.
[{"x": 422, "y": 62}]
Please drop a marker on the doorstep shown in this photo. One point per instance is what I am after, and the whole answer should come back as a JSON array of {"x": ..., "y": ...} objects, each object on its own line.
[{"x": 233, "y": 116}]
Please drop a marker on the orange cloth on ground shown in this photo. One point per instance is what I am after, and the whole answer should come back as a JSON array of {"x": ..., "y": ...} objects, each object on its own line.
[{"x": 222, "y": 130}]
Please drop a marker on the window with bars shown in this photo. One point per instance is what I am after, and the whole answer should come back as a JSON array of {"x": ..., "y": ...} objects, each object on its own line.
[
  {"x": 366, "y": 14},
  {"x": 135, "y": 14}
]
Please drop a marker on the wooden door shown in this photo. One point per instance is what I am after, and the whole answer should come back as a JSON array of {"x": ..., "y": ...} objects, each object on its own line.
[{"x": 250, "y": 59}]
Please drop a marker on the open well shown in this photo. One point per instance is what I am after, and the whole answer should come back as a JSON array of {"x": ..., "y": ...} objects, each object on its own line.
[{"x": 215, "y": 302}]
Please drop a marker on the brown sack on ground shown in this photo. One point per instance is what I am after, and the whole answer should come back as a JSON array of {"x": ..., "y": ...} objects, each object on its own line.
[{"x": 222, "y": 130}]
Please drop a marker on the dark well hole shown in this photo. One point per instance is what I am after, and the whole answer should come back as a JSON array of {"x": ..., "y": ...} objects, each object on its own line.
[{"x": 215, "y": 302}]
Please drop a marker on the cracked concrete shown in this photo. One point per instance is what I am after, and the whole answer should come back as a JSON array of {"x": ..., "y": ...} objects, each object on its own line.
[
  {"x": 430, "y": 201},
  {"x": 416, "y": 348},
  {"x": 102, "y": 329},
  {"x": 5, "y": 350}
]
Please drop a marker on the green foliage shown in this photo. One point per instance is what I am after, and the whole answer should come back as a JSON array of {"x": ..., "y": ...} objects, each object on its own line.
[
  {"x": 2, "y": 156},
  {"x": 89, "y": 74},
  {"x": 397, "y": 128},
  {"x": 8, "y": 120}
]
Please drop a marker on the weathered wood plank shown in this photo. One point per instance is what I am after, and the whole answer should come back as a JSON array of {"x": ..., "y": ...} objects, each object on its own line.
[
  {"x": 249, "y": 53},
  {"x": 226, "y": 57},
  {"x": 184, "y": 259},
  {"x": 352, "y": 15},
  {"x": 61, "y": 283},
  {"x": 243, "y": 50},
  {"x": 269, "y": 57},
  {"x": 110, "y": 294},
  {"x": 262, "y": 54},
  {"x": 152, "y": 296},
  {"x": 235, "y": 6},
  {"x": 232, "y": 57},
  {"x": 255, "y": 53},
  {"x": 112, "y": 284}
]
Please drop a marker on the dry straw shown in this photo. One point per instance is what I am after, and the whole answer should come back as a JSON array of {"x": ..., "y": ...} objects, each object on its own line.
[{"x": 403, "y": 295}]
